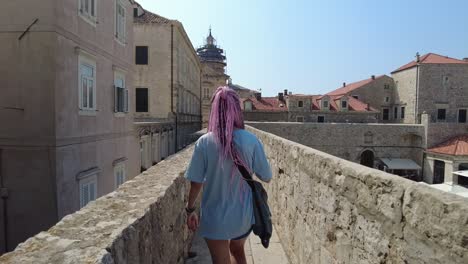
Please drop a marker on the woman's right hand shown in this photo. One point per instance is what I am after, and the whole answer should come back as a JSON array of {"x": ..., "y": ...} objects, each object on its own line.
[{"x": 192, "y": 221}]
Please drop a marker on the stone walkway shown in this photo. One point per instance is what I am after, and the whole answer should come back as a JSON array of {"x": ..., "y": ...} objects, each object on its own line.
[{"x": 256, "y": 253}]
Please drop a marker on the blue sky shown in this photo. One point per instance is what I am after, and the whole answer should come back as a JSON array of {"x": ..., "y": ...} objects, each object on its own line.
[{"x": 312, "y": 47}]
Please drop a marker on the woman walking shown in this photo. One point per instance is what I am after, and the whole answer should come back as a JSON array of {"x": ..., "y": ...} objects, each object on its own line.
[{"x": 226, "y": 208}]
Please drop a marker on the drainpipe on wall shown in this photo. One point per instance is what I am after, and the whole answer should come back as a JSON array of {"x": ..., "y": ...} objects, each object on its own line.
[
  {"x": 4, "y": 196},
  {"x": 417, "y": 120},
  {"x": 174, "y": 113}
]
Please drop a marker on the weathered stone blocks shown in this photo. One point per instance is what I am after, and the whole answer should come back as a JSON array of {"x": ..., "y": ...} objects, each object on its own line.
[{"x": 329, "y": 210}]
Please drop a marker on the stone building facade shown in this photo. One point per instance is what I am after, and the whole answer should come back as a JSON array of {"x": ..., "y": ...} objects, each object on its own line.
[
  {"x": 167, "y": 86},
  {"x": 308, "y": 108},
  {"x": 66, "y": 110},
  {"x": 213, "y": 68},
  {"x": 434, "y": 84}
]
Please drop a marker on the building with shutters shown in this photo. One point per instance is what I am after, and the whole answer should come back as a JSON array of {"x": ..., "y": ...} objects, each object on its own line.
[
  {"x": 66, "y": 109},
  {"x": 167, "y": 86}
]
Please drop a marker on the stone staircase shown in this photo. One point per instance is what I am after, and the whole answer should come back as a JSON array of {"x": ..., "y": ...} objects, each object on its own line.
[{"x": 256, "y": 253}]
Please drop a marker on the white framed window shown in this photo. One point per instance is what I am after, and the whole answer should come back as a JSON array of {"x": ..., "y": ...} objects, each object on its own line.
[
  {"x": 87, "y": 83},
  {"x": 120, "y": 174},
  {"x": 120, "y": 21},
  {"x": 247, "y": 106},
  {"x": 325, "y": 104},
  {"x": 88, "y": 10},
  {"x": 344, "y": 105},
  {"x": 120, "y": 93},
  {"x": 88, "y": 189}
]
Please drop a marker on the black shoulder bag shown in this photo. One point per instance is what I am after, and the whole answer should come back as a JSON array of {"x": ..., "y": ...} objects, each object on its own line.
[{"x": 263, "y": 227}]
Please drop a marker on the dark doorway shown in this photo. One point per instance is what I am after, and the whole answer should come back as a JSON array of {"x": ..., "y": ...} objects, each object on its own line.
[
  {"x": 462, "y": 116},
  {"x": 463, "y": 181},
  {"x": 439, "y": 172},
  {"x": 367, "y": 158}
]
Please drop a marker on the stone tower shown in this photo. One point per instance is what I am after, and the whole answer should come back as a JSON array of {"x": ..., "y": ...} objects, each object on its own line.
[{"x": 213, "y": 74}]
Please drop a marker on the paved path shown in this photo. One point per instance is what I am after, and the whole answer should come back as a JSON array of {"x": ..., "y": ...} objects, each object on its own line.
[{"x": 256, "y": 253}]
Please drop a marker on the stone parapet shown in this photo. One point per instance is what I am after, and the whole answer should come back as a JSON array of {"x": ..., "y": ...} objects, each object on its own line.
[
  {"x": 141, "y": 222},
  {"x": 329, "y": 210}
]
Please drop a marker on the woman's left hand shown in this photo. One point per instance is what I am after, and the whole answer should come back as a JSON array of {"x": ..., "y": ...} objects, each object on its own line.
[{"x": 192, "y": 221}]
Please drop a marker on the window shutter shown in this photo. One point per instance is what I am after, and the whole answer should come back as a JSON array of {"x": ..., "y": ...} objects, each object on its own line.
[
  {"x": 116, "y": 100},
  {"x": 125, "y": 101}
]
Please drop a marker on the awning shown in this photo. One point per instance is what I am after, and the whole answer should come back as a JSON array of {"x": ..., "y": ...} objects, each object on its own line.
[
  {"x": 463, "y": 173},
  {"x": 400, "y": 164}
]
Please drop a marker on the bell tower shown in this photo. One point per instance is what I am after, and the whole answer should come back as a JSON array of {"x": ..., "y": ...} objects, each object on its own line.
[{"x": 213, "y": 74}]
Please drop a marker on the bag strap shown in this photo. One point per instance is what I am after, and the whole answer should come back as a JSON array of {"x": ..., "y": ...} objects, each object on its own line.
[{"x": 246, "y": 175}]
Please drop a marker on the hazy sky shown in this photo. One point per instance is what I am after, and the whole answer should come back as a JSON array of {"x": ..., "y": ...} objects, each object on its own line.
[{"x": 313, "y": 46}]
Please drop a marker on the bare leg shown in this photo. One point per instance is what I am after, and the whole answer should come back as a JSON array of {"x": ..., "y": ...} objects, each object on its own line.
[
  {"x": 236, "y": 247},
  {"x": 219, "y": 250}
]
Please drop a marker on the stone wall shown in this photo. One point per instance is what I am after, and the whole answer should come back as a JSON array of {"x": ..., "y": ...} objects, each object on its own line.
[
  {"x": 141, "y": 222},
  {"x": 348, "y": 141},
  {"x": 329, "y": 210}
]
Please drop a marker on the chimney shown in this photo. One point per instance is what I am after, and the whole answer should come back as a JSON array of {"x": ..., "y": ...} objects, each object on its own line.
[
  {"x": 258, "y": 96},
  {"x": 418, "y": 57},
  {"x": 373, "y": 77},
  {"x": 285, "y": 91},
  {"x": 280, "y": 97},
  {"x": 290, "y": 93},
  {"x": 344, "y": 84}
]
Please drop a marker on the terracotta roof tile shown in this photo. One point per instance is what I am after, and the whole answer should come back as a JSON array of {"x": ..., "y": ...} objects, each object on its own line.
[
  {"x": 431, "y": 58},
  {"x": 266, "y": 104},
  {"x": 457, "y": 146},
  {"x": 148, "y": 18},
  {"x": 352, "y": 86}
]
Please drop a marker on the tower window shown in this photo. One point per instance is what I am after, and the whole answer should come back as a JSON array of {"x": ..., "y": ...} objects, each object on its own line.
[{"x": 141, "y": 55}]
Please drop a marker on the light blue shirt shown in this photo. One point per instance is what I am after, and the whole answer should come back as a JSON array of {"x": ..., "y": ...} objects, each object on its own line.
[{"x": 226, "y": 207}]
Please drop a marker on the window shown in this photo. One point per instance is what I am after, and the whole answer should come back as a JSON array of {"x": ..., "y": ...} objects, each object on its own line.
[
  {"x": 320, "y": 119},
  {"x": 402, "y": 114},
  {"x": 325, "y": 104},
  {"x": 119, "y": 174},
  {"x": 441, "y": 114},
  {"x": 141, "y": 55},
  {"x": 300, "y": 104},
  {"x": 135, "y": 12},
  {"x": 299, "y": 119},
  {"x": 88, "y": 190},
  {"x": 356, "y": 97},
  {"x": 386, "y": 86},
  {"x": 87, "y": 84},
  {"x": 395, "y": 113},
  {"x": 461, "y": 115},
  {"x": 247, "y": 106},
  {"x": 385, "y": 115},
  {"x": 120, "y": 94},
  {"x": 141, "y": 100},
  {"x": 88, "y": 10},
  {"x": 344, "y": 105},
  {"x": 120, "y": 22},
  {"x": 387, "y": 99}
]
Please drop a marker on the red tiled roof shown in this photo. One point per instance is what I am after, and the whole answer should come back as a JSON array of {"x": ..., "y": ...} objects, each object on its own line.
[
  {"x": 271, "y": 104},
  {"x": 457, "y": 146},
  {"x": 352, "y": 86},
  {"x": 147, "y": 18},
  {"x": 353, "y": 104},
  {"x": 431, "y": 58}
]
